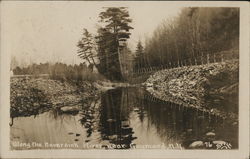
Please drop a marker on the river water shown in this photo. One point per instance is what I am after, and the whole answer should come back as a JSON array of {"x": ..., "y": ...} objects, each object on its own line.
[{"x": 123, "y": 118}]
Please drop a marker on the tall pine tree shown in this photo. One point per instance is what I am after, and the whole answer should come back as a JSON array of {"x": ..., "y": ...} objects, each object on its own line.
[{"x": 111, "y": 39}]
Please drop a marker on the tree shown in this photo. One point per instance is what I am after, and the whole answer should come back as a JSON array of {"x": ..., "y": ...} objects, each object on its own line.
[
  {"x": 127, "y": 58},
  {"x": 139, "y": 59},
  {"x": 195, "y": 32},
  {"x": 102, "y": 51},
  {"x": 112, "y": 38},
  {"x": 139, "y": 49},
  {"x": 13, "y": 63},
  {"x": 86, "y": 48}
]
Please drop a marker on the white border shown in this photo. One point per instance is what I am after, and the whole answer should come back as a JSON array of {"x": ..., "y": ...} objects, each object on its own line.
[{"x": 241, "y": 153}]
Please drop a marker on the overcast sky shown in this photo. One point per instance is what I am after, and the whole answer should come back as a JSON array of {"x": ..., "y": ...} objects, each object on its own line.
[{"x": 47, "y": 31}]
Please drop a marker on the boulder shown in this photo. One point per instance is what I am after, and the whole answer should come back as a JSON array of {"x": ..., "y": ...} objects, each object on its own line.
[
  {"x": 210, "y": 134},
  {"x": 69, "y": 109},
  {"x": 219, "y": 142},
  {"x": 196, "y": 144}
]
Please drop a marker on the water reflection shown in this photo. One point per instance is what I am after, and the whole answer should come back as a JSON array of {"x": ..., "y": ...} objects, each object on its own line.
[
  {"x": 114, "y": 119},
  {"x": 122, "y": 118}
]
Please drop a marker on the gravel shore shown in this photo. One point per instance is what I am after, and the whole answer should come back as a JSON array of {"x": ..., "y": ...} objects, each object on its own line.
[{"x": 31, "y": 96}]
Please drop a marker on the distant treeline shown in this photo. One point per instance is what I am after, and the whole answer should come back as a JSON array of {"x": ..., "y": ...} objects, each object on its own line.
[
  {"x": 60, "y": 71},
  {"x": 193, "y": 33}
]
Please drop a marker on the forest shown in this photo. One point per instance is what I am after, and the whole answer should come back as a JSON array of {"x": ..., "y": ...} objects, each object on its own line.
[
  {"x": 193, "y": 33},
  {"x": 60, "y": 71},
  {"x": 186, "y": 38}
]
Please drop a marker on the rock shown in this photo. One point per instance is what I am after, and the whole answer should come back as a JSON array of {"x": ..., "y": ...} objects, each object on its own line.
[
  {"x": 235, "y": 123},
  {"x": 219, "y": 142},
  {"x": 136, "y": 109},
  {"x": 196, "y": 144},
  {"x": 78, "y": 134},
  {"x": 69, "y": 109},
  {"x": 125, "y": 123},
  {"x": 149, "y": 84},
  {"x": 111, "y": 120},
  {"x": 210, "y": 134},
  {"x": 150, "y": 89},
  {"x": 88, "y": 120},
  {"x": 112, "y": 137}
]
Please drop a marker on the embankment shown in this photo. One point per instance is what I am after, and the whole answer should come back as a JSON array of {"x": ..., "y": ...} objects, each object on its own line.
[
  {"x": 31, "y": 96},
  {"x": 212, "y": 87}
]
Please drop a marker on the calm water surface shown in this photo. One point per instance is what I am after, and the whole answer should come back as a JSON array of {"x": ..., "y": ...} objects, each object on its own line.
[{"x": 122, "y": 118}]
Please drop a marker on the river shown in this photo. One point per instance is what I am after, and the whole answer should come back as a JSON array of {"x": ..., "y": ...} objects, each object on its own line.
[{"x": 123, "y": 118}]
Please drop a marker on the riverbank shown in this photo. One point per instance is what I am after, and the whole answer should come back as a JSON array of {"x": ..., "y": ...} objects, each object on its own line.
[
  {"x": 213, "y": 87},
  {"x": 34, "y": 95}
]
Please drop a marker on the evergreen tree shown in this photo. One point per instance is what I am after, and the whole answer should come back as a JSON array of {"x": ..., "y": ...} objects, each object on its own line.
[
  {"x": 140, "y": 59},
  {"x": 139, "y": 49},
  {"x": 111, "y": 39},
  {"x": 86, "y": 47}
]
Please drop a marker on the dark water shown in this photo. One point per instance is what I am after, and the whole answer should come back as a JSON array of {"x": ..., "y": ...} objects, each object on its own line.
[{"x": 123, "y": 118}]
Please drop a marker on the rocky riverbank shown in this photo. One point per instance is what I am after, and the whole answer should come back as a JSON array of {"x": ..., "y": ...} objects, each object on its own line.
[
  {"x": 31, "y": 96},
  {"x": 212, "y": 87}
]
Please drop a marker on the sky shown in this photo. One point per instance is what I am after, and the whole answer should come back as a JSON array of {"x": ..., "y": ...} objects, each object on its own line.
[{"x": 47, "y": 31}]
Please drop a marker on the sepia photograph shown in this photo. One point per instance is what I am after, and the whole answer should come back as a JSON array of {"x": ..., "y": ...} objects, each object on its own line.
[{"x": 134, "y": 76}]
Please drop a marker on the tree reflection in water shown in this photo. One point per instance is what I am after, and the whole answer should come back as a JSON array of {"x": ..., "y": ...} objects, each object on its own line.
[
  {"x": 90, "y": 115},
  {"x": 114, "y": 119},
  {"x": 173, "y": 123},
  {"x": 126, "y": 116}
]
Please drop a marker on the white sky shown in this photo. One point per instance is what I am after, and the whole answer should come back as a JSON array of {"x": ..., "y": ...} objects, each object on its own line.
[{"x": 47, "y": 31}]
